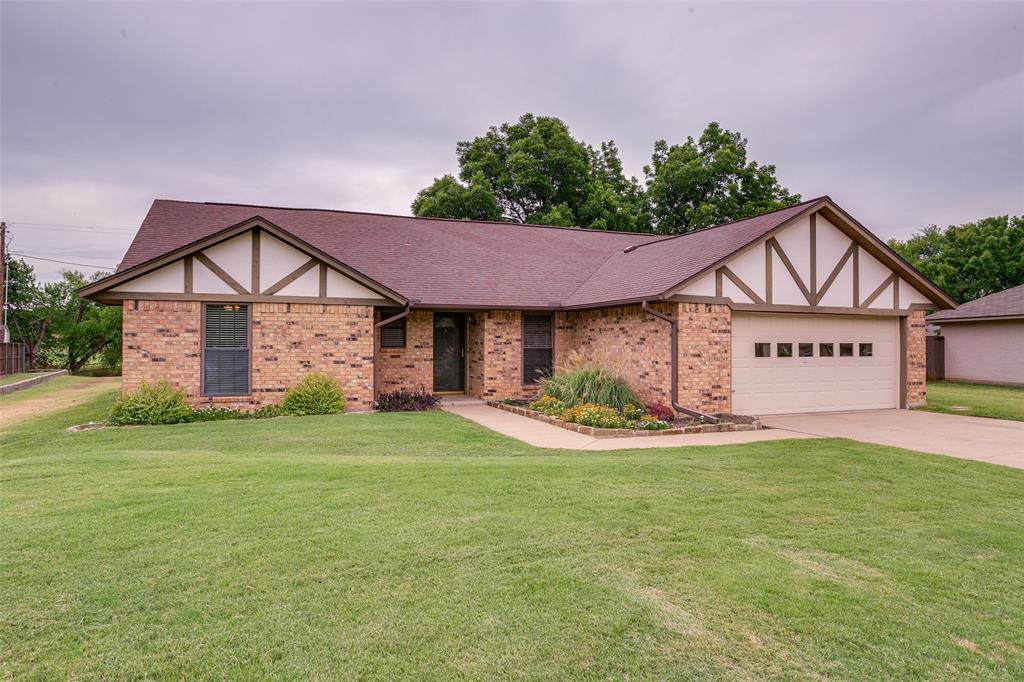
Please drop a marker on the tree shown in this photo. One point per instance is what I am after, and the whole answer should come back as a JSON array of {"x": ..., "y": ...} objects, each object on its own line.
[
  {"x": 709, "y": 181},
  {"x": 26, "y": 316},
  {"x": 971, "y": 260},
  {"x": 534, "y": 171},
  {"x": 78, "y": 329}
]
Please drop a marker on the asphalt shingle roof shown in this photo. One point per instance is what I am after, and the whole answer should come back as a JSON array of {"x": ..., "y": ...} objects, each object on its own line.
[{"x": 1007, "y": 303}]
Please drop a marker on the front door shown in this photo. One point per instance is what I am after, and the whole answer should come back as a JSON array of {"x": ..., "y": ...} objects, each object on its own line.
[{"x": 449, "y": 352}]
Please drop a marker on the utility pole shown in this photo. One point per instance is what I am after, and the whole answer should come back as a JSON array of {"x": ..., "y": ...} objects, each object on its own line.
[{"x": 4, "y": 336}]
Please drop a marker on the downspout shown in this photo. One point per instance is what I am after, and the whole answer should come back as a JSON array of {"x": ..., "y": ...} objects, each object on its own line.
[
  {"x": 376, "y": 326},
  {"x": 674, "y": 364}
]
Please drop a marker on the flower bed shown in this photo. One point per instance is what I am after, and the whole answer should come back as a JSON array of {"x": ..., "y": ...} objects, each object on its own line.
[{"x": 727, "y": 422}]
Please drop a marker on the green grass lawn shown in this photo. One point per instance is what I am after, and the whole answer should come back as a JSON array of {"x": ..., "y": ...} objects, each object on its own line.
[
  {"x": 423, "y": 546},
  {"x": 981, "y": 400},
  {"x": 17, "y": 376}
]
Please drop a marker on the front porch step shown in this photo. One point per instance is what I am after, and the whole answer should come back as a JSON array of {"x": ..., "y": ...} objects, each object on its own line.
[{"x": 450, "y": 400}]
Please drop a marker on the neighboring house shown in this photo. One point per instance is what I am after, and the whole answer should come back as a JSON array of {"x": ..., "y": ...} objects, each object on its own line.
[
  {"x": 983, "y": 340},
  {"x": 800, "y": 309}
]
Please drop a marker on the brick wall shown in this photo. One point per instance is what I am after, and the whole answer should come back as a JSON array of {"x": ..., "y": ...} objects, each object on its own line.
[
  {"x": 915, "y": 367},
  {"x": 628, "y": 341},
  {"x": 705, "y": 363},
  {"x": 503, "y": 355},
  {"x": 475, "y": 350},
  {"x": 162, "y": 341},
  {"x": 410, "y": 368}
]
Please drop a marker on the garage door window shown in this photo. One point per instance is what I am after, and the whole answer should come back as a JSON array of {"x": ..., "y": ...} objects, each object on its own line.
[
  {"x": 826, "y": 350},
  {"x": 806, "y": 350},
  {"x": 865, "y": 350},
  {"x": 784, "y": 350},
  {"x": 762, "y": 350},
  {"x": 846, "y": 350}
]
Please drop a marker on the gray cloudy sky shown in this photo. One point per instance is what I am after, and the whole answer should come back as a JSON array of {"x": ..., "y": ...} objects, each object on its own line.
[{"x": 906, "y": 114}]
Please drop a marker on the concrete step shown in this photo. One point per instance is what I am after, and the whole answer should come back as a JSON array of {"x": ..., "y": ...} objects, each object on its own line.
[{"x": 451, "y": 400}]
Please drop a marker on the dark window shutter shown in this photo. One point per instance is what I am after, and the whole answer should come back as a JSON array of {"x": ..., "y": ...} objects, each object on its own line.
[
  {"x": 538, "y": 343},
  {"x": 226, "y": 350},
  {"x": 392, "y": 335}
]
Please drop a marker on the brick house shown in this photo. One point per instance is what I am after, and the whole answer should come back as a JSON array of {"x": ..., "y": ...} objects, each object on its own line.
[{"x": 800, "y": 309}]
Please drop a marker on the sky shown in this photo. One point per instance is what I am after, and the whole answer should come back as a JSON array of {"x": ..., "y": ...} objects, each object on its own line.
[{"x": 905, "y": 114}]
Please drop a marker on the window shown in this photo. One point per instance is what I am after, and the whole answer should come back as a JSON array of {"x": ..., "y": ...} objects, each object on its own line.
[
  {"x": 392, "y": 335},
  {"x": 865, "y": 350},
  {"x": 762, "y": 350},
  {"x": 806, "y": 350},
  {"x": 226, "y": 350},
  {"x": 846, "y": 350},
  {"x": 784, "y": 350},
  {"x": 826, "y": 350},
  {"x": 538, "y": 341}
]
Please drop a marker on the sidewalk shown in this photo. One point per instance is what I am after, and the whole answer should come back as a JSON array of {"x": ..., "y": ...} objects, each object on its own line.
[{"x": 542, "y": 435}]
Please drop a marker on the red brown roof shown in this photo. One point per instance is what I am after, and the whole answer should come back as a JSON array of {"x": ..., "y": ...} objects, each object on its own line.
[
  {"x": 457, "y": 263},
  {"x": 1008, "y": 303}
]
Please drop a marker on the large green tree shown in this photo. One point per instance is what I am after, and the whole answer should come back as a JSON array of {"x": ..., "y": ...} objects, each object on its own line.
[
  {"x": 971, "y": 260},
  {"x": 709, "y": 181},
  {"x": 535, "y": 171}
]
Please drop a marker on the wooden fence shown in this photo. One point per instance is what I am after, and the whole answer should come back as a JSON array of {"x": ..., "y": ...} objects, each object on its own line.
[
  {"x": 12, "y": 358},
  {"x": 935, "y": 357}
]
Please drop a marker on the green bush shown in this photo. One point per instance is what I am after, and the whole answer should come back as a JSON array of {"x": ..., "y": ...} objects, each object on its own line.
[
  {"x": 315, "y": 394},
  {"x": 158, "y": 403},
  {"x": 216, "y": 414},
  {"x": 590, "y": 385}
]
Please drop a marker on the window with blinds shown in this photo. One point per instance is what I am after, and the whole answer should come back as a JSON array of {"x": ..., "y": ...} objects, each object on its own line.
[
  {"x": 538, "y": 344},
  {"x": 226, "y": 350},
  {"x": 392, "y": 335}
]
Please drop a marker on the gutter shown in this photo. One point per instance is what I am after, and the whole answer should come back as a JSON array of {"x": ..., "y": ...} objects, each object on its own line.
[{"x": 674, "y": 364}]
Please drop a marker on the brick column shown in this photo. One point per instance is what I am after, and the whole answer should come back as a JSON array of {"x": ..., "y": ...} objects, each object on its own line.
[
  {"x": 912, "y": 333},
  {"x": 705, "y": 356}
]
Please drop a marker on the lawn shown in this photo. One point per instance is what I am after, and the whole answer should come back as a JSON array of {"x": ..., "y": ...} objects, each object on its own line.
[
  {"x": 981, "y": 400},
  {"x": 13, "y": 378},
  {"x": 417, "y": 546}
]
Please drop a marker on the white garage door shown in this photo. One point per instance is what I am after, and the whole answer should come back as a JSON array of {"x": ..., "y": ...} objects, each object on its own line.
[{"x": 813, "y": 363}]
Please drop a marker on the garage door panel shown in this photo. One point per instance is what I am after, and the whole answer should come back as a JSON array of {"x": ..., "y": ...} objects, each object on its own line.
[{"x": 774, "y": 385}]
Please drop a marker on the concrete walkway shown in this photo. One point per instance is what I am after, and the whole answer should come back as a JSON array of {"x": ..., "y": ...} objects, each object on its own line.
[
  {"x": 542, "y": 435},
  {"x": 997, "y": 441}
]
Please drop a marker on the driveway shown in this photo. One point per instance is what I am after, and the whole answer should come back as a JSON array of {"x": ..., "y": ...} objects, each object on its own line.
[{"x": 996, "y": 441}]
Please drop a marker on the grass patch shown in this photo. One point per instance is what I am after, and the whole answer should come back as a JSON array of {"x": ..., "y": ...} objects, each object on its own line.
[
  {"x": 16, "y": 377},
  {"x": 421, "y": 545},
  {"x": 981, "y": 400}
]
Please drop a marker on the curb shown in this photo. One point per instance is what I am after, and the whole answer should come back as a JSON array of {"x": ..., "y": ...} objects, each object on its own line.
[{"x": 32, "y": 381}]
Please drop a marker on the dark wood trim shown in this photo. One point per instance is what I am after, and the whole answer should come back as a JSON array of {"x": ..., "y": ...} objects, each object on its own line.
[
  {"x": 291, "y": 277},
  {"x": 856, "y": 275},
  {"x": 878, "y": 291},
  {"x": 323, "y": 280},
  {"x": 219, "y": 271},
  {"x": 240, "y": 298},
  {"x": 903, "y": 365},
  {"x": 255, "y": 260},
  {"x": 819, "y": 310},
  {"x": 690, "y": 298},
  {"x": 966, "y": 320},
  {"x": 814, "y": 259},
  {"x": 735, "y": 279},
  {"x": 792, "y": 270},
  {"x": 718, "y": 283},
  {"x": 834, "y": 274},
  {"x": 767, "y": 272},
  {"x": 189, "y": 277}
]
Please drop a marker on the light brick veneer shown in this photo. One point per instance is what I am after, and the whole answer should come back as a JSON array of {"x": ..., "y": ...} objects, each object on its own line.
[
  {"x": 503, "y": 355},
  {"x": 412, "y": 367},
  {"x": 705, "y": 362},
  {"x": 162, "y": 341},
  {"x": 915, "y": 366}
]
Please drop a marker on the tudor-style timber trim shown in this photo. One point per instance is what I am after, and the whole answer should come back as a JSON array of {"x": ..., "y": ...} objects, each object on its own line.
[
  {"x": 774, "y": 244},
  {"x": 834, "y": 274},
  {"x": 255, "y": 259},
  {"x": 240, "y": 298},
  {"x": 322, "y": 283},
  {"x": 99, "y": 289},
  {"x": 813, "y": 219},
  {"x": 220, "y": 272},
  {"x": 291, "y": 277},
  {"x": 891, "y": 279},
  {"x": 724, "y": 271},
  {"x": 189, "y": 277}
]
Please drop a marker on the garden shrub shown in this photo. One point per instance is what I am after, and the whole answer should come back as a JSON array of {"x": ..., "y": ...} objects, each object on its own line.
[
  {"x": 158, "y": 403},
  {"x": 633, "y": 412},
  {"x": 407, "y": 401},
  {"x": 662, "y": 412},
  {"x": 216, "y": 414},
  {"x": 598, "y": 416},
  {"x": 548, "y": 405},
  {"x": 590, "y": 385},
  {"x": 650, "y": 423},
  {"x": 315, "y": 394}
]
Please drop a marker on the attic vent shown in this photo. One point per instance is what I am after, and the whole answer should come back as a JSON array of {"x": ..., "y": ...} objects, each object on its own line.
[{"x": 631, "y": 247}]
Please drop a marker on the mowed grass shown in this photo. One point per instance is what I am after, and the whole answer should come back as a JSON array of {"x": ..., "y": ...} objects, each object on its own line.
[
  {"x": 417, "y": 546},
  {"x": 981, "y": 400}
]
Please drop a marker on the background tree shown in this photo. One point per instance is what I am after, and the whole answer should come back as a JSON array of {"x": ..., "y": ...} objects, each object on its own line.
[
  {"x": 26, "y": 316},
  {"x": 971, "y": 260},
  {"x": 534, "y": 171},
  {"x": 709, "y": 181}
]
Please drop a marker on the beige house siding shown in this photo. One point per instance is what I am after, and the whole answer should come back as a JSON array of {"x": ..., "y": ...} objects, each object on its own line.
[{"x": 985, "y": 351}]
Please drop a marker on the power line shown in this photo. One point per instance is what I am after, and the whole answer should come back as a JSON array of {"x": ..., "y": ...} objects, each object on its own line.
[
  {"x": 86, "y": 228},
  {"x": 64, "y": 262}
]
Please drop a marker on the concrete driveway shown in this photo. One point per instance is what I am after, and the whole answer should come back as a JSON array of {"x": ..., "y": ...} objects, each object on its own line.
[{"x": 987, "y": 440}]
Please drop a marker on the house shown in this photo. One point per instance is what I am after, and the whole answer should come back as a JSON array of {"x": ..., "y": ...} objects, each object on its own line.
[
  {"x": 983, "y": 339},
  {"x": 799, "y": 309}
]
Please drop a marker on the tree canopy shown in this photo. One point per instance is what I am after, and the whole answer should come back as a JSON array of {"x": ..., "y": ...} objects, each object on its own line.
[
  {"x": 971, "y": 260},
  {"x": 535, "y": 171}
]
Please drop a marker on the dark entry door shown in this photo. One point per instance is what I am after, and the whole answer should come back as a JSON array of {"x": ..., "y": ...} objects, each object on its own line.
[{"x": 449, "y": 352}]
